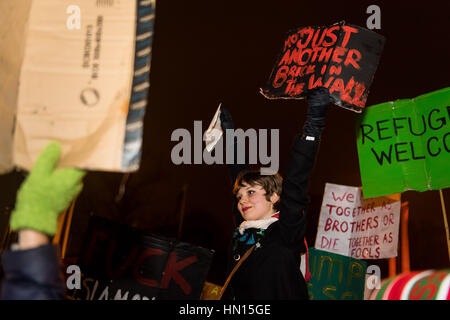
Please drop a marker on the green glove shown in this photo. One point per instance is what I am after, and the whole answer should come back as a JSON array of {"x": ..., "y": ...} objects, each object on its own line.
[{"x": 45, "y": 193}]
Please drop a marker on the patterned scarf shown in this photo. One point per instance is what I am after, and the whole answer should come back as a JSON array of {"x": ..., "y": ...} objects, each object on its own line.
[{"x": 251, "y": 232}]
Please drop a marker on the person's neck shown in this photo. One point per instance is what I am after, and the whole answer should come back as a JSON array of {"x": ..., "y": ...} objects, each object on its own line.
[
  {"x": 259, "y": 224},
  {"x": 270, "y": 215}
]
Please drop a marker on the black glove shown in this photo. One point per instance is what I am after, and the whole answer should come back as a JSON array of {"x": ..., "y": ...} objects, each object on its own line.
[
  {"x": 318, "y": 101},
  {"x": 225, "y": 120}
]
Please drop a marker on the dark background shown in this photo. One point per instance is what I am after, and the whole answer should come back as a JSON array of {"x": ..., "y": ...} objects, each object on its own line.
[{"x": 207, "y": 52}]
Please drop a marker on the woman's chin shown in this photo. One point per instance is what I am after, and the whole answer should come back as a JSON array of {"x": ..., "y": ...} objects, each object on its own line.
[{"x": 248, "y": 217}]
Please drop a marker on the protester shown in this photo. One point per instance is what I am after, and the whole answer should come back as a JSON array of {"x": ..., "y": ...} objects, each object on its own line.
[
  {"x": 32, "y": 266},
  {"x": 271, "y": 218}
]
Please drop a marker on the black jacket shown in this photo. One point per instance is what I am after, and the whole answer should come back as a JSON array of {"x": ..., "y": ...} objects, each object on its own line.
[
  {"x": 32, "y": 274},
  {"x": 272, "y": 271}
]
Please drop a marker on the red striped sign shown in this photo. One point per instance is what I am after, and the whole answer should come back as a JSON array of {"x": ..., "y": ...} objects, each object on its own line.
[{"x": 416, "y": 285}]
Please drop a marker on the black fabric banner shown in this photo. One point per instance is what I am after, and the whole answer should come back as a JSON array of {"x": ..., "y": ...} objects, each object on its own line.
[{"x": 119, "y": 262}]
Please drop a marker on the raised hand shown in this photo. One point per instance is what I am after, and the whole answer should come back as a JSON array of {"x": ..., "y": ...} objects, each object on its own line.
[
  {"x": 45, "y": 193},
  {"x": 318, "y": 101}
]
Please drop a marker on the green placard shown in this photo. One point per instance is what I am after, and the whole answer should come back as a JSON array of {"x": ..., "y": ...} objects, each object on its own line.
[
  {"x": 335, "y": 277},
  {"x": 405, "y": 145}
]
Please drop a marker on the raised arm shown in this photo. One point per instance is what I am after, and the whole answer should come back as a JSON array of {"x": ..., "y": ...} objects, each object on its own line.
[
  {"x": 231, "y": 147},
  {"x": 294, "y": 198},
  {"x": 32, "y": 269}
]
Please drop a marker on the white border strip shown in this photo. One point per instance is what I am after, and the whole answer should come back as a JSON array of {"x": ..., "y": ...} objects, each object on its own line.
[{"x": 444, "y": 288}]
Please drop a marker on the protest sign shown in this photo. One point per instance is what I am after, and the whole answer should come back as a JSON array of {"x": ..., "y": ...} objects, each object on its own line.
[
  {"x": 84, "y": 85},
  {"x": 342, "y": 58},
  {"x": 335, "y": 277},
  {"x": 356, "y": 227},
  {"x": 405, "y": 145},
  {"x": 120, "y": 262},
  {"x": 13, "y": 17}
]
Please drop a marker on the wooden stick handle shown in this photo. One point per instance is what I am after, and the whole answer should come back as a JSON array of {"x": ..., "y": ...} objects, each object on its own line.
[
  {"x": 392, "y": 267},
  {"x": 445, "y": 222},
  {"x": 61, "y": 220},
  {"x": 405, "y": 240},
  {"x": 67, "y": 229}
]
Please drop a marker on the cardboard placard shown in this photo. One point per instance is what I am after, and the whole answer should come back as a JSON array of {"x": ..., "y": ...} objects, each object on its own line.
[
  {"x": 120, "y": 262},
  {"x": 360, "y": 228},
  {"x": 13, "y": 16},
  {"x": 341, "y": 57},
  {"x": 335, "y": 277},
  {"x": 85, "y": 87},
  {"x": 405, "y": 145}
]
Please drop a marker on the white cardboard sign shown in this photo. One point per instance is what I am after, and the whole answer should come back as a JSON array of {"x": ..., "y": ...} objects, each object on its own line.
[{"x": 356, "y": 227}]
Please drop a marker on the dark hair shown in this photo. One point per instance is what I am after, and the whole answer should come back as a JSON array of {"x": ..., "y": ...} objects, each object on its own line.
[{"x": 270, "y": 183}]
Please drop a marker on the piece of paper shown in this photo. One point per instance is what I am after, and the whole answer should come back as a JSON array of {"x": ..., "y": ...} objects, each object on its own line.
[
  {"x": 214, "y": 131},
  {"x": 356, "y": 227}
]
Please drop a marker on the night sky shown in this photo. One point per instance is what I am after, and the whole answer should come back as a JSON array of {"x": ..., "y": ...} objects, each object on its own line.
[{"x": 208, "y": 52}]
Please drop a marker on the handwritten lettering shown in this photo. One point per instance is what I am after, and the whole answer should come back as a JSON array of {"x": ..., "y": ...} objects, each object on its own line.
[{"x": 335, "y": 54}]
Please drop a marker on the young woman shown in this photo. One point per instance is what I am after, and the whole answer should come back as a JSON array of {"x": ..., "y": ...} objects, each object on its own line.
[{"x": 270, "y": 215}]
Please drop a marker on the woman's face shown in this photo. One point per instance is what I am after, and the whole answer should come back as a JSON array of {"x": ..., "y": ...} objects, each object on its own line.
[{"x": 252, "y": 202}]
